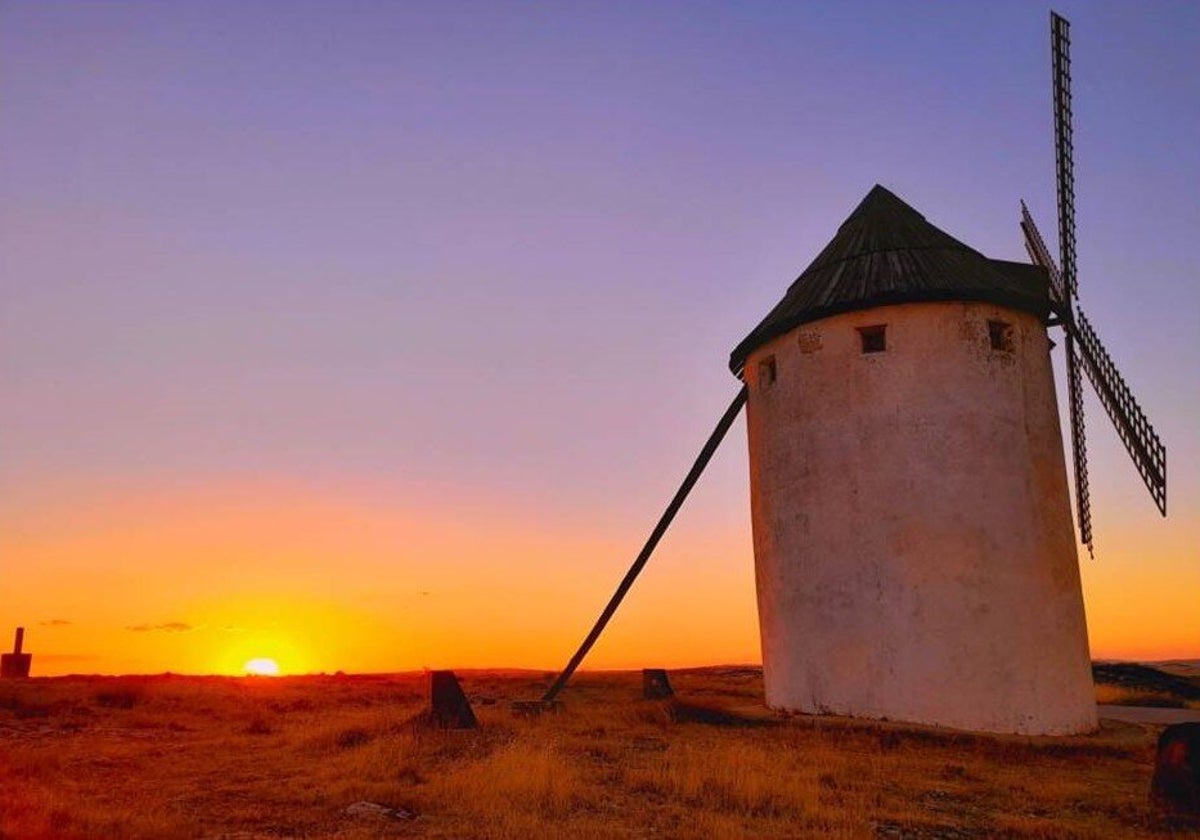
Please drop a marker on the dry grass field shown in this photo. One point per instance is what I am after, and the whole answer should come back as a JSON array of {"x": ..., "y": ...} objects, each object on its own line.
[
  {"x": 1171, "y": 685},
  {"x": 181, "y": 757}
]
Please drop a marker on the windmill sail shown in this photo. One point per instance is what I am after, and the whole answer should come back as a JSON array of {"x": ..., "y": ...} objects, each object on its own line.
[
  {"x": 1147, "y": 451},
  {"x": 1083, "y": 345},
  {"x": 1040, "y": 254},
  {"x": 1064, "y": 149},
  {"x": 1064, "y": 159},
  {"x": 1084, "y": 350},
  {"x": 1083, "y": 498}
]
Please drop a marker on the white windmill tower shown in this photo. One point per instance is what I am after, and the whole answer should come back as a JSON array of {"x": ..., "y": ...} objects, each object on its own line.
[
  {"x": 913, "y": 546},
  {"x": 912, "y": 529},
  {"x": 914, "y": 553}
]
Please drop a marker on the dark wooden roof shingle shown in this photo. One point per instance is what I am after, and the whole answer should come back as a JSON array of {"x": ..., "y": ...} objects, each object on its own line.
[{"x": 886, "y": 253}]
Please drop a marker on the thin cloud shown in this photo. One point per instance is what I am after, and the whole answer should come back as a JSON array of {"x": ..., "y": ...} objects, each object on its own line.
[
  {"x": 168, "y": 627},
  {"x": 55, "y": 622}
]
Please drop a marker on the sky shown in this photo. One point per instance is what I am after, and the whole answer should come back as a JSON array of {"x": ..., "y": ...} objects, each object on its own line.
[{"x": 373, "y": 336}]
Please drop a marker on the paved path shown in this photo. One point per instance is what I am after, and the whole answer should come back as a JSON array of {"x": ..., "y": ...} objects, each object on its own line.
[{"x": 1148, "y": 714}]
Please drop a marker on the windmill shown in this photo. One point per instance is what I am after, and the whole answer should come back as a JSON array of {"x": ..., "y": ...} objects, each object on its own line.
[
  {"x": 915, "y": 557},
  {"x": 1083, "y": 347}
]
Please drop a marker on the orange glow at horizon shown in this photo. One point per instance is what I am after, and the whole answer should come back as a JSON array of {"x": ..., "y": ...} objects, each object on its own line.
[
  {"x": 377, "y": 342},
  {"x": 368, "y": 587}
]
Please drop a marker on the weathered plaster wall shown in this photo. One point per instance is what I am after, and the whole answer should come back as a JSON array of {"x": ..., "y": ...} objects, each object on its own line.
[{"x": 913, "y": 538}]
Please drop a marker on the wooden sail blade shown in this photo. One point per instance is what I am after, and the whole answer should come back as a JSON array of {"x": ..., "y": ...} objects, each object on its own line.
[
  {"x": 1040, "y": 255},
  {"x": 1083, "y": 500},
  {"x": 1064, "y": 149},
  {"x": 1147, "y": 451}
]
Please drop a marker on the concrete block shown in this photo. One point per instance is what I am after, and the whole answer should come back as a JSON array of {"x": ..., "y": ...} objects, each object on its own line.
[
  {"x": 14, "y": 665},
  {"x": 655, "y": 685},
  {"x": 449, "y": 707}
]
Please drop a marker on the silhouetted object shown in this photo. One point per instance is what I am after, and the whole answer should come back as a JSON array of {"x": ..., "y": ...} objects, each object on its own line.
[
  {"x": 448, "y": 706},
  {"x": 655, "y": 685},
  {"x": 16, "y": 664},
  {"x": 689, "y": 481},
  {"x": 1176, "y": 783}
]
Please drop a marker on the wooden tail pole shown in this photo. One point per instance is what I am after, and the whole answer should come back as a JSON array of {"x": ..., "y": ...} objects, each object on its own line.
[{"x": 714, "y": 440}]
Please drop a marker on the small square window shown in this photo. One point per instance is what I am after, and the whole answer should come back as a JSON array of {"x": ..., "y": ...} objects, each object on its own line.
[
  {"x": 1000, "y": 334},
  {"x": 874, "y": 339},
  {"x": 766, "y": 373}
]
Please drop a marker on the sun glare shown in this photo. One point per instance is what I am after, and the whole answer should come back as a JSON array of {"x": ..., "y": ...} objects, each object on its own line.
[{"x": 262, "y": 668}]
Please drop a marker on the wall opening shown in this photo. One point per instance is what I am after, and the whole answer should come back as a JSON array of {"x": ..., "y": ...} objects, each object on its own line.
[
  {"x": 766, "y": 373},
  {"x": 874, "y": 339},
  {"x": 1000, "y": 334}
]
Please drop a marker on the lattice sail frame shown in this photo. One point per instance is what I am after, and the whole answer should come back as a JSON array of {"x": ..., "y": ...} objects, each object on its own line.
[
  {"x": 1083, "y": 494},
  {"x": 1064, "y": 148},
  {"x": 1064, "y": 160},
  {"x": 1040, "y": 254},
  {"x": 1141, "y": 441},
  {"x": 1083, "y": 347}
]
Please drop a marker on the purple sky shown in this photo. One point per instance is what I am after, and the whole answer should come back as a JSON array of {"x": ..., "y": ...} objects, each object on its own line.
[{"x": 494, "y": 256}]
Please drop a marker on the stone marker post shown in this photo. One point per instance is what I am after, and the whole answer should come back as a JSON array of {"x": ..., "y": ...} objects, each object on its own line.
[
  {"x": 449, "y": 708},
  {"x": 16, "y": 664},
  {"x": 655, "y": 685}
]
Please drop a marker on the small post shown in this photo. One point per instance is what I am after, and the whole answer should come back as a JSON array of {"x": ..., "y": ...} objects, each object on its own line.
[
  {"x": 16, "y": 665},
  {"x": 449, "y": 707},
  {"x": 655, "y": 685}
]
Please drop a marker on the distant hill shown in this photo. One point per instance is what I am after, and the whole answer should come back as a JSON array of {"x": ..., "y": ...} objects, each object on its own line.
[
  {"x": 1178, "y": 667},
  {"x": 1175, "y": 683}
]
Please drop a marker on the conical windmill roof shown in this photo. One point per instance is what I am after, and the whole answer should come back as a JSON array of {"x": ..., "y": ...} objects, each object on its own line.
[{"x": 887, "y": 253}]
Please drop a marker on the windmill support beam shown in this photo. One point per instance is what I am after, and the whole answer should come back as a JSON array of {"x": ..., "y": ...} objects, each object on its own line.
[{"x": 664, "y": 522}]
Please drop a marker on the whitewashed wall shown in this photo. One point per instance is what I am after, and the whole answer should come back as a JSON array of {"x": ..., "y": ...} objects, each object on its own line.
[{"x": 913, "y": 536}]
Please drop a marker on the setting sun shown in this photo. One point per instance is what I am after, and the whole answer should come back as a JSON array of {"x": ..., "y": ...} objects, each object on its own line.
[{"x": 262, "y": 668}]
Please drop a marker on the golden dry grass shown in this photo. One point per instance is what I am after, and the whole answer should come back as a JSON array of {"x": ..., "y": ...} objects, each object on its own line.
[{"x": 158, "y": 757}]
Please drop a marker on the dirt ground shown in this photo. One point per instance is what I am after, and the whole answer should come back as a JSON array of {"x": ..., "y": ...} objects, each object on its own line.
[{"x": 250, "y": 758}]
